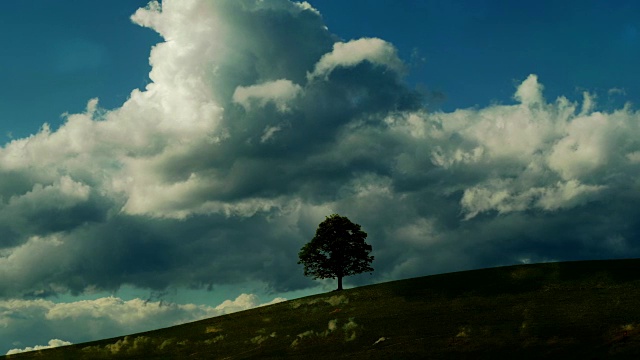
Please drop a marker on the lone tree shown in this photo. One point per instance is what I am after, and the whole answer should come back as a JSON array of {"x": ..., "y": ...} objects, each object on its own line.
[{"x": 337, "y": 250}]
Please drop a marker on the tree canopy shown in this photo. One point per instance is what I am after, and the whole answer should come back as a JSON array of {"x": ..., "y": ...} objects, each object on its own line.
[{"x": 338, "y": 249}]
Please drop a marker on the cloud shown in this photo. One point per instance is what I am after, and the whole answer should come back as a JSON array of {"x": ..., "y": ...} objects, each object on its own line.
[
  {"x": 351, "y": 53},
  {"x": 530, "y": 91},
  {"x": 52, "y": 344},
  {"x": 243, "y": 302},
  {"x": 197, "y": 159},
  {"x": 497, "y": 196},
  {"x": 279, "y": 92},
  {"x": 106, "y": 317},
  {"x": 258, "y": 122}
]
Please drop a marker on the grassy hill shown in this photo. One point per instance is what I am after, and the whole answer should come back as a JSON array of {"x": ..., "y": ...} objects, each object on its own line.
[{"x": 571, "y": 310}]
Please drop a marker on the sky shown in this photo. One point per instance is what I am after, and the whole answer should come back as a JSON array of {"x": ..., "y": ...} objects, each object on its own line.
[{"x": 165, "y": 162}]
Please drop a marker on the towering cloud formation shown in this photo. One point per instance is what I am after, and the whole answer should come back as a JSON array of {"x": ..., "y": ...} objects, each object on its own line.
[{"x": 258, "y": 122}]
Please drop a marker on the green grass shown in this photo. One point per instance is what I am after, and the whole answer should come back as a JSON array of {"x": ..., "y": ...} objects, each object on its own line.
[{"x": 571, "y": 310}]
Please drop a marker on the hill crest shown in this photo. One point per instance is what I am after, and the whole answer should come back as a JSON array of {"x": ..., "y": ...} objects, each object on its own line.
[{"x": 525, "y": 311}]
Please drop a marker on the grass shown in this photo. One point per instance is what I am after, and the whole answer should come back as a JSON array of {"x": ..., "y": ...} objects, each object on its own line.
[{"x": 570, "y": 310}]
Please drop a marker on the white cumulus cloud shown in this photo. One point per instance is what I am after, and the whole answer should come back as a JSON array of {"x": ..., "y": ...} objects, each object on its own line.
[
  {"x": 52, "y": 344},
  {"x": 351, "y": 53},
  {"x": 86, "y": 320}
]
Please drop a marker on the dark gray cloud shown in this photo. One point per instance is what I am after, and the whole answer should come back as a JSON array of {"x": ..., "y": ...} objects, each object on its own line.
[{"x": 259, "y": 122}]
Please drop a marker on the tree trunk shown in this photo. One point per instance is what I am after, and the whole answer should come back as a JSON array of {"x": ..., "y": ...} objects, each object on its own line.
[{"x": 339, "y": 283}]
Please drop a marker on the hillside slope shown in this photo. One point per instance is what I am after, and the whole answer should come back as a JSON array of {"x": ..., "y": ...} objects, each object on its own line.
[{"x": 587, "y": 309}]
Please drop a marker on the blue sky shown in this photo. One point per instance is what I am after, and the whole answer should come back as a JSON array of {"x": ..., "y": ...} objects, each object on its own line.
[
  {"x": 193, "y": 148},
  {"x": 474, "y": 52},
  {"x": 57, "y": 53}
]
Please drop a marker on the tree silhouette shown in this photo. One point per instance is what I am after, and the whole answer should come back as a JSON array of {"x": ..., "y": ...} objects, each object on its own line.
[{"x": 337, "y": 250}]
